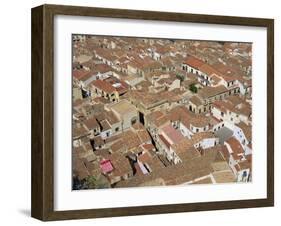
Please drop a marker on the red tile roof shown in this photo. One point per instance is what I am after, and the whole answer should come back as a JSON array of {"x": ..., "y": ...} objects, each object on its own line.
[
  {"x": 164, "y": 141},
  {"x": 103, "y": 85},
  {"x": 91, "y": 123},
  {"x": 148, "y": 147},
  {"x": 106, "y": 166},
  {"x": 236, "y": 147},
  {"x": 194, "y": 62},
  {"x": 209, "y": 70},
  {"x": 79, "y": 74},
  {"x": 172, "y": 133},
  {"x": 144, "y": 157}
]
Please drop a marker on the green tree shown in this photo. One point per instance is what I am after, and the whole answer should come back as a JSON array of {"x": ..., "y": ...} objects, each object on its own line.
[
  {"x": 92, "y": 182},
  {"x": 180, "y": 77},
  {"x": 193, "y": 88}
]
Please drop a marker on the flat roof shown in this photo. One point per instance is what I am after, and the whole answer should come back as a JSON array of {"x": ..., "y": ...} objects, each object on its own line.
[{"x": 123, "y": 107}]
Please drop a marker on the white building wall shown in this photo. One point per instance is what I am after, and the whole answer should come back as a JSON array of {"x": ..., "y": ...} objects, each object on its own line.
[
  {"x": 84, "y": 84},
  {"x": 240, "y": 136},
  {"x": 232, "y": 163},
  {"x": 132, "y": 70},
  {"x": 193, "y": 70},
  {"x": 248, "y": 150},
  {"x": 229, "y": 125},
  {"x": 229, "y": 117},
  {"x": 104, "y": 134},
  {"x": 115, "y": 126},
  {"x": 177, "y": 160},
  {"x": 216, "y": 113},
  {"x": 105, "y": 75},
  {"x": 195, "y": 129},
  {"x": 244, "y": 119},
  {"x": 174, "y": 156},
  {"x": 156, "y": 56},
  {"x": 77, "y": 143},
  {"x": 209, "y": 142},
  {"x": 228, "y": 147},
  {"x": 174, "y": 85},
  {"x": 169, "y": 154},
  {"x": 134, "y": 81},
  {"x": 241, "y": 87},
  {"x": 218, "y": 126},
  {"x": 221, "y": 82},
  {"x": 240, "y": 175},
  {"x": 185, "y": 131}
]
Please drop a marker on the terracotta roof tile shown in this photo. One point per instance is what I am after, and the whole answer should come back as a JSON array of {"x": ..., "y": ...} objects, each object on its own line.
[
  {"x": 194, "y": 62},
  {"x": 103, "y": 85}
]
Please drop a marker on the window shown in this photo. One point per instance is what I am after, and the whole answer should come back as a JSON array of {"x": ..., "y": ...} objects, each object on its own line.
[
  {"x": 222, "y": 125},
  {"x": 222, "y": 113},
  {"x": 116, "y": 129},
  {"x": 197, "y": 130},
  {"x": 244, "y": 174},
  {"x": 133, "y": 121}
]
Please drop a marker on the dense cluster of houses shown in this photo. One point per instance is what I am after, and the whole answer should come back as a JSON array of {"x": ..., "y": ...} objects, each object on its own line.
[{"x": 160, "y": 112}]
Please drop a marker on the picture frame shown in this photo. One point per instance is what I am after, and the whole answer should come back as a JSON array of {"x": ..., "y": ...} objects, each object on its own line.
[{"x": 43, "y": 182}]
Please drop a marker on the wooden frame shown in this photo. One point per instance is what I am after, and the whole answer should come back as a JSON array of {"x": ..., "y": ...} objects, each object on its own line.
[{"x": 43, "y": 119}]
